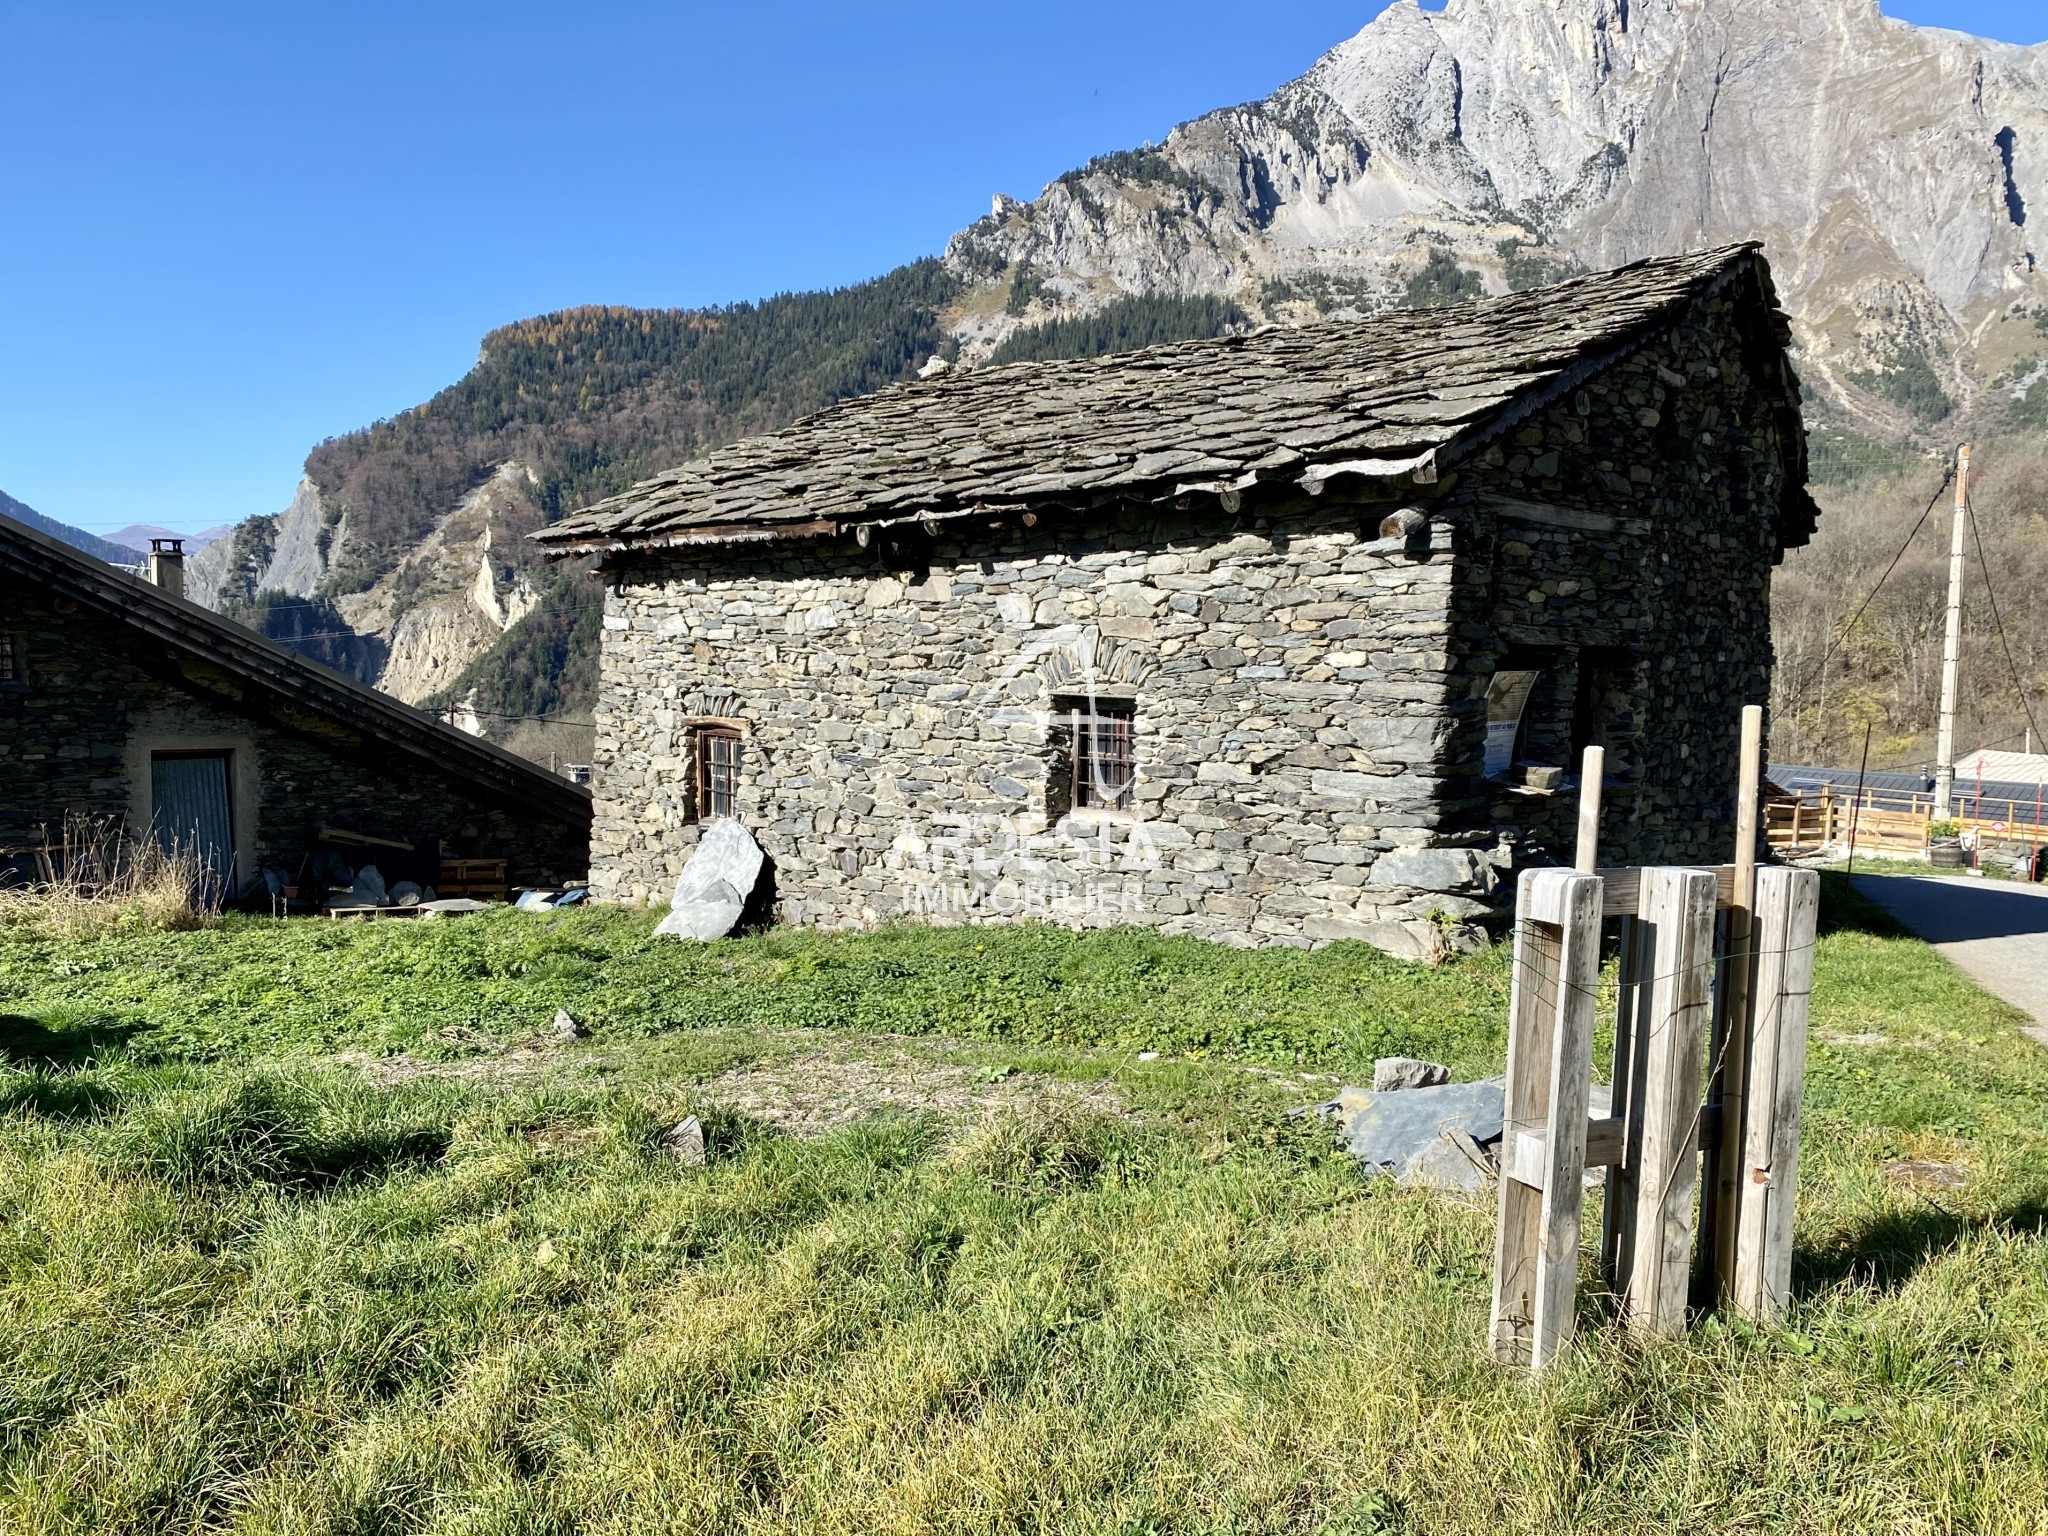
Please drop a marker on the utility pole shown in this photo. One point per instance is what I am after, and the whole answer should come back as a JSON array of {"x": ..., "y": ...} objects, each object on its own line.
[{"x": 1952, "y": 647}]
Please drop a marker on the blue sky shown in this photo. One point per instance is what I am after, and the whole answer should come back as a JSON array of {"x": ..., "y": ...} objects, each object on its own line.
[{"x": 230, "y": 230}]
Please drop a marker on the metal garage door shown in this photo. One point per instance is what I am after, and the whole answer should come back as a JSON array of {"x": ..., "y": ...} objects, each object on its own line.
[{"x": 192, "y": 815}]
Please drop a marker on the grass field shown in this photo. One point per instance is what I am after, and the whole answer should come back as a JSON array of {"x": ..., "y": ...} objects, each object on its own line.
[{"x": 315, "y": 1229}]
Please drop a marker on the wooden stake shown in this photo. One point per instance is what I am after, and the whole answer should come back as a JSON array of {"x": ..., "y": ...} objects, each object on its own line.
[
  {"x": 1856, "y": 810},
  {"x": 1550, "y": 1060},
  {"x": 1617, "y": 1211},
  {"x": 1788, "y": 912},
  {"x": 1591, "y": 771},
  {"x": 1660, "y": 1166},
  {"x": 1733, "y": 1035}
]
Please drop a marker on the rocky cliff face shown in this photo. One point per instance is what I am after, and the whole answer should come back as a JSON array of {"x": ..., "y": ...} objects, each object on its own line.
[
  {"x": 1890, "y": 170},
  {"x": 438, "y": 608},
  {"x": 284, "y": 553},
  {"x": 446, "y": 602}
]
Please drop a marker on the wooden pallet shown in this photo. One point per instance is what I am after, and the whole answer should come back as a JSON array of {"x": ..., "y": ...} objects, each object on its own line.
[{"x": 478, "y": 879}]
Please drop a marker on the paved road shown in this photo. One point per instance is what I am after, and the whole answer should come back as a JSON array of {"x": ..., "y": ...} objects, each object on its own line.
[{"x": 1996, "y": 931}]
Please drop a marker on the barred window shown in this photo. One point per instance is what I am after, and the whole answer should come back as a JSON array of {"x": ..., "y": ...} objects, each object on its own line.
[
  {"x": 1105, "y": 754},
  {"x": 13, "y": 665},
  {"x": 718, "y": 772}
]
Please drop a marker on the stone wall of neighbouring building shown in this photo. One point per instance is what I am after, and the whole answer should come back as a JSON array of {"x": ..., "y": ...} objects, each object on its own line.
[
  {"x": 1309, "y": 695},
  {"x": 77, "y": 733}
]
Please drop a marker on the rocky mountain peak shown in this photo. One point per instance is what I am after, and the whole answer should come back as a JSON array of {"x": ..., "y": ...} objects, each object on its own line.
[{"x": 1888, "y": 168}]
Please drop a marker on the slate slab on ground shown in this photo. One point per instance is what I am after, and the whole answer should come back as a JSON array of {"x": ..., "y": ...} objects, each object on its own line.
[
  {"x": 713, "y": 888},
  {"x": 1436, "y": 1136},
  {"x": 1442, "y": 1136}
]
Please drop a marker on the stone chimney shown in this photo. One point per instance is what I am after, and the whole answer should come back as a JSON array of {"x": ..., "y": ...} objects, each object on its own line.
[{"x": 167, "y": 565}]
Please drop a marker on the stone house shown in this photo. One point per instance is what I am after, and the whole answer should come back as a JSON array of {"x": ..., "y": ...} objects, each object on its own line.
[
  {"x": 124, "y": 703},
  {"x": 1277, "y": 639}
]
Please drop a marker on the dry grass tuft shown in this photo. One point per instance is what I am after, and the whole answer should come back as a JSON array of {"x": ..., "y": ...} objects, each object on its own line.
[{"x": 98, "y": 879}]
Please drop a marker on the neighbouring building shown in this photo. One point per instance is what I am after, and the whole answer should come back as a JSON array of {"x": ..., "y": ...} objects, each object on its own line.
[
  {"x": 1276, "y": 639},
  {"x": 125, "y": 705}
]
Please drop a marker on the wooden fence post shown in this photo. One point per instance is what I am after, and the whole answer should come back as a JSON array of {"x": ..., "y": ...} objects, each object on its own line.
[
  {"x": 1617, "y": 1211},
  {"x": 1660, "y": 1166},
  {"x": 1732, "y": 1037},
  {"x": 1788, "y": 910},
  {"x": 1543, "y": 1148},
  {"x": 1592, "y": 779}
]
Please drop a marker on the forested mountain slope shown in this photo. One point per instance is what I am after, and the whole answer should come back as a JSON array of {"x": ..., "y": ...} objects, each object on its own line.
[
  {"x": 413, "y": 530},
  {"x": 77, "y": 538},
  {"x": 403, "y": 557}
]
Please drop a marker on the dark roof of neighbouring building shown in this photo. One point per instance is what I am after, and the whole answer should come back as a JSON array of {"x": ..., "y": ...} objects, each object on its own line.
[
  {"x": 1802, "y": 776},
  {"x": 1968, "y": 788},
  {"x": 298, "y": 694},
  {"x": 1403, "y": 394}
]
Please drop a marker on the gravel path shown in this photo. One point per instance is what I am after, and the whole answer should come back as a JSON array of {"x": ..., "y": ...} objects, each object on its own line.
[{"x": 1995, "y": 931}]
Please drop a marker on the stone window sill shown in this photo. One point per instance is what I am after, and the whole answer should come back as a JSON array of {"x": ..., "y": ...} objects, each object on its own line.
[
  {"x": 1608, "y": 789},
  {"x": 1101, "y": 816}
]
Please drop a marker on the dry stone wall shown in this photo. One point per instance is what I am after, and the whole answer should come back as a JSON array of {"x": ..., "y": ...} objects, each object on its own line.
[
  {"x": 1289, "y": 675},
  {"x": 1308, "y": 695},
  {"x": 1629, "y": 534}
]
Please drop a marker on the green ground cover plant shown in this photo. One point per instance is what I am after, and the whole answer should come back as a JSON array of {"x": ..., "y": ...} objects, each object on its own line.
[
  {"x": 271, "y": 1262},
  {"x": 253, "y": 987}
]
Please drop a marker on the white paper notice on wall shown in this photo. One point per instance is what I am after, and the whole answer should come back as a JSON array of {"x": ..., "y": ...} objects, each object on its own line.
[{"x": 1506, "y": 697}]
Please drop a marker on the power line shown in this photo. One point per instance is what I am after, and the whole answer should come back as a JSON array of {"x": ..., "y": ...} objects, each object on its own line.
[
  {"x": 325, "y": 634},
  {"x": 1998, "y": 623},
  {"x": 492, "y": 714},
  {"x": 1836, "y": 643},
  {"x": 369, "y": 634},
  {"x": 1796, "y": 702}
]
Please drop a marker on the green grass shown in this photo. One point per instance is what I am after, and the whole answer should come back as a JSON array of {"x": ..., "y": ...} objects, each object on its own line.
[
  {"x": 252, "y": 987},
  {"x": 243, "y": 1289},
  {"x": 1993, "y": 869}
]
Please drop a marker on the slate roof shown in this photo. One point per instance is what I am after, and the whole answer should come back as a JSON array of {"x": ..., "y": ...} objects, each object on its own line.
[
  {"x": 275, "y": 682},
  {"x": 1402, "y": 394}
]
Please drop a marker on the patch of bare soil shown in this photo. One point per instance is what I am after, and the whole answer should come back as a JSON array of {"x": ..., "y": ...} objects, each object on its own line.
[
  {"x": 812, "y": 1094},
  {"x": 803, "y": 1091},
  {"x": 1916, "y": 1174},
  {"x": 511, "y": 1063}
]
